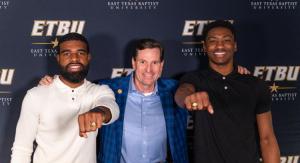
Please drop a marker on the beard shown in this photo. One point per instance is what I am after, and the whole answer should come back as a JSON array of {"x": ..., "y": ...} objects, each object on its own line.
[
  {"x": 74, "y": 77},
  {"x": 220, "y": 63}
]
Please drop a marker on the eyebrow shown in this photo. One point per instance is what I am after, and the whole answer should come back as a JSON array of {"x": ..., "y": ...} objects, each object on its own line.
[
  {"x": 83, "y": 50},
  {"x": 147, "y": 61},
  {"x": 208, "y": 37},
  {"x": 68, "y": 50}
]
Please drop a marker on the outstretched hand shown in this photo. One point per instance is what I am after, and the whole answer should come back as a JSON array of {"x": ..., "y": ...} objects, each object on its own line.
[
  {"x": 89, "y": 122},
  {"x": 198, "y": 101}
]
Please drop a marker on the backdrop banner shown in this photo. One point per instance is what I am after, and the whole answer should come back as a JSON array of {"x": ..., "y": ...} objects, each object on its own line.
[{"x": 268, "y": 38}]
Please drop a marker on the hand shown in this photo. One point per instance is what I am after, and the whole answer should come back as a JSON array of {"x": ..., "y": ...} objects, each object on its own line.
[
  {"x": 89, "y": 122},
  {"x": 198, "y": 101},
  {"x": 243, "y": 70},
  {"x": 46, "y": 80}
]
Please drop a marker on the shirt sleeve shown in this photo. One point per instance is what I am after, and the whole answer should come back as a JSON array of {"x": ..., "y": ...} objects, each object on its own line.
[
  {"x": 26, "y": 130},
  {"x": 106, "y": 97},
  {"x": 263, "y": 98}
]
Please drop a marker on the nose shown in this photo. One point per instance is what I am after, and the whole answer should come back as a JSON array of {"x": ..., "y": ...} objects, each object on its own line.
[
  {"x": 148, "y": 68},
  {"x": 220, "y": 44},
  {"x": 74, "y": 57}
]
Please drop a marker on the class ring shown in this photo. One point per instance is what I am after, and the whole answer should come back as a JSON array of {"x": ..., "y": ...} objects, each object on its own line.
[
  {"x": 194, "y": 104},
  {"x": 93, "y": 124}
]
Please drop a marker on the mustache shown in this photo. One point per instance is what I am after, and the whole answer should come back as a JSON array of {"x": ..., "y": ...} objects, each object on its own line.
[{"x": 218, "y": 51}]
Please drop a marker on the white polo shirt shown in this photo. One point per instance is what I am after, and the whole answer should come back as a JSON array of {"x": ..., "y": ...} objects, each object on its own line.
[{"x": 49, "y": 116}]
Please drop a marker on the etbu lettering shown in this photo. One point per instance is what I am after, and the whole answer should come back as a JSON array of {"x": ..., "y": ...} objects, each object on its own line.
[
  {"x": 118, "y": 72},
  {"x": 62, "y": 27},
  {"x": 277, "y": 73},
  {"x": 6, "y": 76},
  {"x": 195, "y": 27}
]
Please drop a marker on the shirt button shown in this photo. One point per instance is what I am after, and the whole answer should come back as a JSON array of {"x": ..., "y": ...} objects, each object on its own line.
[
  {"x": 73, "y": 98},
  {"x": 223, "y": 77},
  {"x": 144, "y": 156},
  {"x": 72, "y": 90},
  {"x": 144, "y": 142},
  {"x": 225, "y": 87}
]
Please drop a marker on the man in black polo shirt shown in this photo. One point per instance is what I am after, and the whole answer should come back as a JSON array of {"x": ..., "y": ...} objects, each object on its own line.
[{"x": 238, "y": 106}]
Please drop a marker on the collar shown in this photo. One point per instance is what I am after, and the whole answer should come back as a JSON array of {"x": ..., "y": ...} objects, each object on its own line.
[
  {"x": 214, "y": 74},
  {"x": 62, "y": 86}
]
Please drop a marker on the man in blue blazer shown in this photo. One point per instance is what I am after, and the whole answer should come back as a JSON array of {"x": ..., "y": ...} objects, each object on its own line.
[{"x": 151, "y": 128}]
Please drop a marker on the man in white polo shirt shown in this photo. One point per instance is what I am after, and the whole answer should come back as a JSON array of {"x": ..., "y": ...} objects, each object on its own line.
[{"x": 49, "y": 114}]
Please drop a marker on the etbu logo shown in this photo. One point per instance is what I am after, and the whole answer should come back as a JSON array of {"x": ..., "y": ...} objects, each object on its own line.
[
  {"x": 289, "y": 159},
  {"x": 119, "y": 72},
  {"x": 277, "y": 73},
  {"x": 195, "y": 27},
  {"x": 56, "y": 27},
  {"x": 6, "y": 76}
]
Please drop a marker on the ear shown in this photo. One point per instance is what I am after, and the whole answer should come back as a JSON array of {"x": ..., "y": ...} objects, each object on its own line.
[
  {"x": 203, "y": 46},
  {"x": 89, "y": 57},
  {"x": 162, "y": 64},
  {"x": 133, "y": 63},
  {"x": 235, "y": 47},
  {"x": 57, "y": 58}
]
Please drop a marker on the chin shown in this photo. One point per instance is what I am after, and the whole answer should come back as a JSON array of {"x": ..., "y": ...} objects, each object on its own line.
[{"x": 148, "y": 83}]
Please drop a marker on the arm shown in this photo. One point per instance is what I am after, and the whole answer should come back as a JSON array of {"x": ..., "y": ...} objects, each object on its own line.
[
  {"x": 182, "y": 92},
  {"x": 26, "y": 131},
  {"x": 105, "y": 99},
  {"x": 268, "y": 143},
  {"x": 105, "y": 111},
  {"x": 187, "y": 97}
]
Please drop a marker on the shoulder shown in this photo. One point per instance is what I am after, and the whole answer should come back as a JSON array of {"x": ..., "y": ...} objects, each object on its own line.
[
  {"x": 194, "y": 77},
  {"x": 167, "y": 84},
  {"x": 37, "y": 95},
  {"x": 41, "y": 90},
  {"x": 167, "y": 81},
  {"x": 195, "y": 74},
  {"x": 252, "y": 79},
  {"x": 97, "y": 88},
  {"x": 198, "y": 73},
  {"x": 257, "y": 84}
]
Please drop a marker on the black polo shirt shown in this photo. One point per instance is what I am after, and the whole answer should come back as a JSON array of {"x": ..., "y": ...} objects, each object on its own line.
[{"x": 229, "y": 135}]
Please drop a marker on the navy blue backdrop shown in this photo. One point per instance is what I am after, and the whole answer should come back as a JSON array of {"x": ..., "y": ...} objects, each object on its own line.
[{"x": 267, "y": 34}]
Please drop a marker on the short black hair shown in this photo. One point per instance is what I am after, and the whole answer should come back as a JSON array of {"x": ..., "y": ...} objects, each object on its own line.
[
  {"x": 218, "y": 23},
  {"x": 148, "y": 43},
  {"x": 70, "y": 37}
]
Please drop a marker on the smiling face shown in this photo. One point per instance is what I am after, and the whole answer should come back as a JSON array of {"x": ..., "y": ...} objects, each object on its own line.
[
  {"x": 73, "y": 59},
  {"x": 148, "y": 67},
  {"x": 220, "y": 47}
]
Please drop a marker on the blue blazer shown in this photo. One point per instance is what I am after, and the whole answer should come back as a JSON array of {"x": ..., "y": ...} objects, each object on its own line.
[{"x": 110, "y": 138}]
